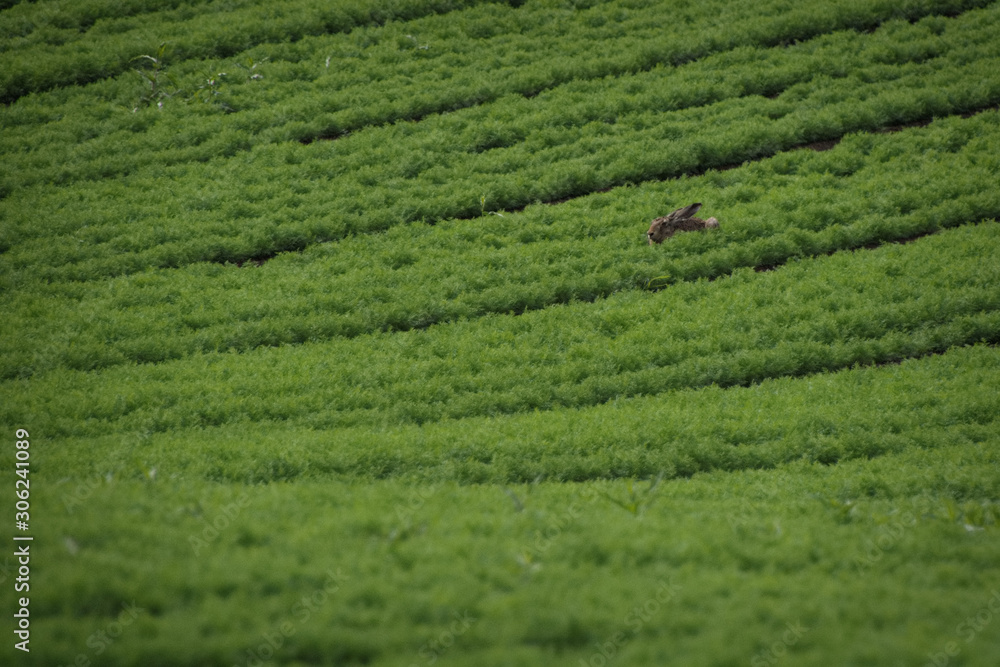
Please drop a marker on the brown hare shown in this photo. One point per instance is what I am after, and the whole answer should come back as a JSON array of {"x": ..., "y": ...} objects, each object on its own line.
[{"x": 678, "y": 221}]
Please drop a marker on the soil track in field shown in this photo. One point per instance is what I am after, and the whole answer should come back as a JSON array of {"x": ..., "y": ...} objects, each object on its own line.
[
  {"x": 866, "y": 246},
  {"x": 825, "y": 145}
]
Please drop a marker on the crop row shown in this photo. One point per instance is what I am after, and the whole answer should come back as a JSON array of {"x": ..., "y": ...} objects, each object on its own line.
[
  {"x": 742, "y": 553},
  {"x": 304, "y": 94},
  {"x": 283, "y": 197},
  {"x": 869, "y": 189},
  {"x": 30, "y": 23},
  {"x": 932, "y": 402},
  {"x": 94, "y": 41},
  {"x": 823, "y": 314}
]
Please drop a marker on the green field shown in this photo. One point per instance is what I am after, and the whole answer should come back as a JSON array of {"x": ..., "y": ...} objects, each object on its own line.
[{"x": 331, "y": 335}]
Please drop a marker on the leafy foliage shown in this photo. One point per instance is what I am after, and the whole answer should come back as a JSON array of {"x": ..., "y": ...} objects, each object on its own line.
[
  {"x": 868, "y": 190},
  {"x": 338, "y": 340}
]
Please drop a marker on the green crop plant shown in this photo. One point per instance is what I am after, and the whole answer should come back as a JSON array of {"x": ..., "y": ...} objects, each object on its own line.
[
  {"x": 372, "y": 90},
  {"x": 417, "y": 287},
  {"x": 250, "y": 67},
  {"x": 568, "y": 356},
  {"x": 972, "y": 516},
  {"x": 482, "y": 207},
  {"x": 386, "y": 177},
  {"x": 160, "y": 84},
  {"x": 102, "y": 44},
  {"x": 298, "y": 393},
  {"x": 635, "y": 502},
  {"x": 208, "y": 89}
]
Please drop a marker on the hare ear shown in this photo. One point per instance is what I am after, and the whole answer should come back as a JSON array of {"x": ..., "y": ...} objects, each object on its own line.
[{"x": 687, "y": 211}]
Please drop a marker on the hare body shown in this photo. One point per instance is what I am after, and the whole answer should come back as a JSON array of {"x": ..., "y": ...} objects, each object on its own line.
[{"x": 681, "y": 220}]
